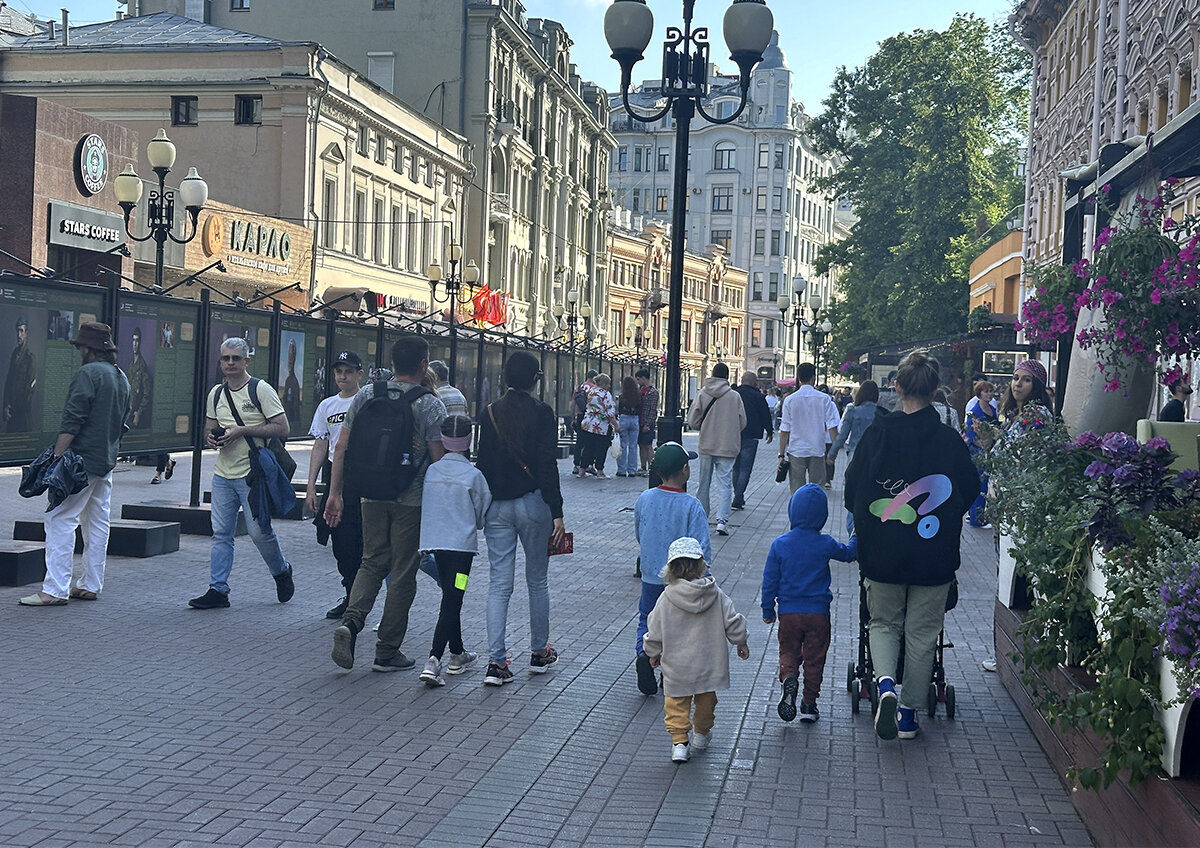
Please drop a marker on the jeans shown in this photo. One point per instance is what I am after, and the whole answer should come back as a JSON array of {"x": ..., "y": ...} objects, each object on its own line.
[
  {"x": 88, "y": 508},
  {"x": 742, "y": 468},
  {"x": 525, "y": 519},
  {"x": 719, "y": 470},
  {"x": 391, "y": 532},
  {"x": 914, "y": 613},
  {"x": 228, "y": 496},
  {"x": 650, "y": 595},
  {"x": 629, "y": 444},
  {"x": 975, "y": 513}
]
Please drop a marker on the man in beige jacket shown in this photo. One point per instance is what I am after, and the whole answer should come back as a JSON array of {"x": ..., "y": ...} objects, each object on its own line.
[{"x": 719, "y": 415}]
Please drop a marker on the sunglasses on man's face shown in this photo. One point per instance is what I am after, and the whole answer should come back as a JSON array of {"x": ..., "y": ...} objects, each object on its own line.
[{"x": 227, "y": 357}]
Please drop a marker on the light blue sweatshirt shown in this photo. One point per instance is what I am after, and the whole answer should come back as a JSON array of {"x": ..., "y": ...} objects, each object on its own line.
[{"x": 661, "y": 516}]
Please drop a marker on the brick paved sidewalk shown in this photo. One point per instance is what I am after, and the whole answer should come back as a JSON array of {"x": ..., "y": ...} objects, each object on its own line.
[{"x": 135, "y": 721}]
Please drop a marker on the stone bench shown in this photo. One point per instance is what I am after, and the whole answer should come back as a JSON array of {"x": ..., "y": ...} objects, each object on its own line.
[
  {"x": 192, "y": 520},
  {"x": 127, "y": 537},
  {"x": 22, "y": 563}
]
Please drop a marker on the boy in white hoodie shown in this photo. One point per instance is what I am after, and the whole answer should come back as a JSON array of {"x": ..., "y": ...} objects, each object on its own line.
[{"x": 688, "y": 629}]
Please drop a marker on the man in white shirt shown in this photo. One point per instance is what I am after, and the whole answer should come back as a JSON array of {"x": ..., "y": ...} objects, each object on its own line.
[
  {"x": 810, "y": 420},
  {"x": 325, "y": 429}
]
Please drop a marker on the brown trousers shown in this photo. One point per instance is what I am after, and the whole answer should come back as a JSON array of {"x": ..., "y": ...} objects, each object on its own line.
[{"x": 804, "y": 640}]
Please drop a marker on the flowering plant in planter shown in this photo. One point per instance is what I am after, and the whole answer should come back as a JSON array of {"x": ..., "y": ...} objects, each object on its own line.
[
  {"x": 856, "y": 371},
  {"x": 1145, "y": 275}
]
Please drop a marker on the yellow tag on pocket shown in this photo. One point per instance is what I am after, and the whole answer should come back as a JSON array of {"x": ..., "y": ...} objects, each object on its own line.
[{"x": 460, "y": 582}]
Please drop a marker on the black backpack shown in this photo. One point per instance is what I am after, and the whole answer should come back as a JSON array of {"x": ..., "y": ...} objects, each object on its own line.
[{"x": 379, "y": 460}]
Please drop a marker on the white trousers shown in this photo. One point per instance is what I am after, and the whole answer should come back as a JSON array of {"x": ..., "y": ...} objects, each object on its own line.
[{"x": 88, "y": 508}]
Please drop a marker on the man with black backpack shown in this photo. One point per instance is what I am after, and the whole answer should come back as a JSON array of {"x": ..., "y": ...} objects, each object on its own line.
[
  {"x": 240, "y": 410},
  {"x": 391, "y": 434}
]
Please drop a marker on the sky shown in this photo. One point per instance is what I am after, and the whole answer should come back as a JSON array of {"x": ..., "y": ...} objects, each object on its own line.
[{"x": 817, "y": 37}]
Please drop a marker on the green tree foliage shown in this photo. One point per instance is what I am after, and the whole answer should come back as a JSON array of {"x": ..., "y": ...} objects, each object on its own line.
[{"x": 929, "y": 131}]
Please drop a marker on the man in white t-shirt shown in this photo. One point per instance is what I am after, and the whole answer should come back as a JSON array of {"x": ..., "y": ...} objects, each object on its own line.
[
  {"x": 325, "y": 429},
  {"x": 810, "y": 421},
  {"x": 262, "y": 419}
]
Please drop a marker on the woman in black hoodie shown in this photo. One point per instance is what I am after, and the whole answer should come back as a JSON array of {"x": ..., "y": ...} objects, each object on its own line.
[{"x": 908, "y": 486}]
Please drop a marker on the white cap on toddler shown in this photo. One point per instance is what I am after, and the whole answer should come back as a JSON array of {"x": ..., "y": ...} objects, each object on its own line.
[{"x": 685, "y": 548}]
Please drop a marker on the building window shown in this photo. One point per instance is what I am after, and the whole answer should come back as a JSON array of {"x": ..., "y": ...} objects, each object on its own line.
[
  {"x": 377, "y": 222},
  {"x": 637, "y": 159},
  {"x": 773, "y": 288},
  {"x": 723, "y": 238},
  {"x": 384, "y": 4},
  {"x": 381, "y": 148},
  {"x": 247, "y": 109},
  {"x": 622, "y": 158},
  {"x": 760, "y": 199},
  {"x": 777, "y": 199},
  {"x": 664, "y": 159},
  {"x": 660, "y": 200},
  {"x": 397, "y": 230},
  {"x": 764, "y": 155},
  {"x": 775, "y": 238},
  {"x": 723, "y": 156},
  {"x": 636, "y": 197},
  {"x": 329, "y": 206},
  {"x": 779, "y": 154},
  {"x": 410, "y": 242},
  {"x": 760, "y": 242},
  {"x": 756, "y": 333},
  {"x": 756, "y": 290},
  {"x": 770, "y": 333},
  {"x": 362, "y": 141},
  {"x": 381, "y": 67},
  {"x": 360, "y": 224},
  {"x": 722, "y": 199},
  {"x": 398, "y": 159},
  {"x": 239, "y": 5},
  {"x": 184, "y": 111}
]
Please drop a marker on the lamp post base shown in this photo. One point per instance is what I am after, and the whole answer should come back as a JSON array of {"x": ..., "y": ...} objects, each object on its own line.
[{"x": 670, "y": 429}]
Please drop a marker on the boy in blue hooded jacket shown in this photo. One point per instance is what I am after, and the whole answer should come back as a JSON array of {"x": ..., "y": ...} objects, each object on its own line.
[{"x": 797, "y": 578}]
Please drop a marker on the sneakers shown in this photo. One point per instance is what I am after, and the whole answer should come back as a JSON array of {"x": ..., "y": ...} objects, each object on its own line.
[
  {"x": 284, "y": 587},
  {"x": 738, "y": 504},
  {"x": 906, "y": 724},
  {"x": 679, "y": 753},
  {"x": 647, "y": 685},
  {"x": 431, "y": 675},
  {"x": 989, "y": 664},
  {"x": 885, "y": 717},
  {"x": 498, "y": 674},
  {"x": 458, "y": 662},
  {"x": 540, "y": 663},
  {"x": 344, "y": 637},
  {"x": 399, "y": 662},
  {"x": 339, "y": 610},
  {"x": 700, "y": 741},
  {"x": 809, "y": 712},
  {"x": 721, "y": 531},
  {"x": 787, "y": 704},
  {"x": 212, "y": 599}
]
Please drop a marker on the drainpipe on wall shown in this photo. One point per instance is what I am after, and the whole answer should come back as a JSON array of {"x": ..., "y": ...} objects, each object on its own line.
[
  {"x": 1118, "y": 131},
  {"x": 312, "y": 180}
]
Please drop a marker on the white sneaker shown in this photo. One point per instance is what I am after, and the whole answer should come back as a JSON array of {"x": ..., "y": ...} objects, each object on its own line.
[
  {"x": 700, "y": 741},
  {"x": 679, "y": 753},
  {"x": 989, "y": 664},
  {"x": 721, "y": 531},
  {"x": 458, "y": 662},
  {"x": 431, "y": 675}
]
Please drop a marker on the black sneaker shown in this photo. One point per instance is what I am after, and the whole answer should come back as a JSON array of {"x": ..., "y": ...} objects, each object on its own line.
[
  {"x": 647, "y": 685},
  {"x": 787, "y": 704},
  {"x": 399, "y": 662},
  {"x": 284, "y": 587},
  {"x": 340, "y": 610},
  {"x": 540, "y": 663},
  {"x": 809, "y": 712},
  {"x": 344, "y": 637},
  {"x": 212, "y": 599},
  {"x": 498, "y": 674},
  {"x": 738, "y": 505}
]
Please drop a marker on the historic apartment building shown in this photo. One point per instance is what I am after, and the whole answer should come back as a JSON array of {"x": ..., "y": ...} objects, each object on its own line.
[
  {"x": 1104, "y": 71},
  {"x": 538, "y": 133},
  {"x": 750, "y": 192},
  {"x": 714, "y": 307},
  {"x": 280, "y": 128}
]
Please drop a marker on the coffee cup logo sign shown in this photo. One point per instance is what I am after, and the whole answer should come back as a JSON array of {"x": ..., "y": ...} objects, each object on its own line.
[
  {"x": 91, "y": 165},
  {"x": 249, "y": 244}
]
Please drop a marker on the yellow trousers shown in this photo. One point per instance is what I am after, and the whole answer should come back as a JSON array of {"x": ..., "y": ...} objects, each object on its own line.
[{"x": 679, "y": 715}]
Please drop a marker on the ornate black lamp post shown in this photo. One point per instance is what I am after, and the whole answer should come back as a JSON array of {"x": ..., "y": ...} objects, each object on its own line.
[
  {"x": 816, "y": 331},
  {"x": 786, "y": 302},
  {"x": 458, "y": 286},
  {"x": 628, "y": 27},
  {"x": 574, "y": 316},
  {"x": 160, "y": 209}
]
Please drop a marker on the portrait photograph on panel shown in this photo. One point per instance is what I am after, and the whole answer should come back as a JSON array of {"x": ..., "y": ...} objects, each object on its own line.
[
  {"x": 135, "y": 355},
  {"x": 23, "y": 333},
  {"x": 291, "y": 367}
]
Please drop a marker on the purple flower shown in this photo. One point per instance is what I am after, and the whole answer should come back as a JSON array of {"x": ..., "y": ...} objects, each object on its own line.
[
  {"x": 1127, "y": 475},
  {"x": 1098, "y": 469},
  {"x": 1157, "y": 444},
  {"x": 1089, "y": 440},
  {"x": 1120, "y": 446}
]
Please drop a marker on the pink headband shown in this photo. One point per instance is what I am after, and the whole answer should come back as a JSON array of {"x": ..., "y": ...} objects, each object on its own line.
[
  {"x": 1033, "y": 368},
  {"x": 456, "y": 443}
]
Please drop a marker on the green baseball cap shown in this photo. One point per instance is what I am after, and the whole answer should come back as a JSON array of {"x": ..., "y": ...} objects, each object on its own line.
[{"x": 670, "y": 457}]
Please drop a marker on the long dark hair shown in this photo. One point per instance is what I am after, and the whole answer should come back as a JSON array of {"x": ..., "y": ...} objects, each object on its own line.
[
  {"x": 631, "y": 397},
  {"x": 1038, "y": 397}
]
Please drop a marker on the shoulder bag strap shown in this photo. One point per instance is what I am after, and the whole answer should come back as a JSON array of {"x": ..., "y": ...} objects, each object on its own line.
[
  {"x": 704, "y": 414},
  {"x": 509, "y": 445},
  {"x": 233, "y": 409}
]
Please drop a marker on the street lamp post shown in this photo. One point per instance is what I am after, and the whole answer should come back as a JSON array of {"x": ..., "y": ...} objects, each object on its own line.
[
  {"x": 635, "y": 337},
  {"x": 785, "y": 302},
  {"x": 453, "y": 284},
  {"x": 160, "y": 209},
  {"x": 573, "y": 316},
  {"x": 628, "y": 27}
]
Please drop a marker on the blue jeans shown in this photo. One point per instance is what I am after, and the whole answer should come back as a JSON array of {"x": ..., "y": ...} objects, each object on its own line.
[
  {"x": 650, "y": 596},
  {"x": 628, "y": 463},
  {"x": 742, "y": 467},
  {"x": 527, "y": 520},
  {"x": 228, "y": 496},
  {"x": 719, "y": 470}
]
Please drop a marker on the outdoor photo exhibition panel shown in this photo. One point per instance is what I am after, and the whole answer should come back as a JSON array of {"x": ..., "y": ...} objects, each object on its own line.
[
  {"x": 305, "y": 377},
  {"x": 253, "y": 325}
]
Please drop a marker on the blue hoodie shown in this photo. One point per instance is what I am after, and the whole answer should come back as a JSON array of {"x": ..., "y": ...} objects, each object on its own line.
[{"x": 797, "y": 570}]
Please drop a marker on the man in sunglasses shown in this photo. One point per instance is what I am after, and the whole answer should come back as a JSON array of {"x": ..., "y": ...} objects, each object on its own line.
[{"x": 237, "y": 408}]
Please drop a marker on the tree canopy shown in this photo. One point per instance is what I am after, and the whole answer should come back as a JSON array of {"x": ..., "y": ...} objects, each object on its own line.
[{"x": 928, "y": 131}]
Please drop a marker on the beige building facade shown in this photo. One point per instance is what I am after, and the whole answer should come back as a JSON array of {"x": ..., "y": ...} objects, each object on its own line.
[
  {"x": 279, "y": 129},
  {"x": 538, "y": 134}
]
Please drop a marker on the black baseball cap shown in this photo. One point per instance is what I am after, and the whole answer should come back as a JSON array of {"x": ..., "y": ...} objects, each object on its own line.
[{"x": 348, "y": 357}]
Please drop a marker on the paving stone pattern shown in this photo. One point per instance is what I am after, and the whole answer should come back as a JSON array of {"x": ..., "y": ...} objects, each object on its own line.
[{"x": 135, "y": 721}]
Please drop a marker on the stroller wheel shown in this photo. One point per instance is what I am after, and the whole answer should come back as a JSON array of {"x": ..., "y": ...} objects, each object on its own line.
[
  {"x": 851, "y": 681},
  {"x": 950, "y": 701},
  {"x": 931, "y": 704}
]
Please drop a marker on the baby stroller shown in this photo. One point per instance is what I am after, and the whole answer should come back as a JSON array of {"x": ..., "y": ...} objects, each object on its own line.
[{"x": 860, "y": 676}]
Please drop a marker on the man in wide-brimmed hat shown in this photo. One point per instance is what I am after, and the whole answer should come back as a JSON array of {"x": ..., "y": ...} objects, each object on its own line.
[{"x": 94, "y": 418}]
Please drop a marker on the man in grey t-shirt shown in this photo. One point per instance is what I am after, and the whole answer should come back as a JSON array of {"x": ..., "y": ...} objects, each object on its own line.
[{"x": 391, "y": 529}]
